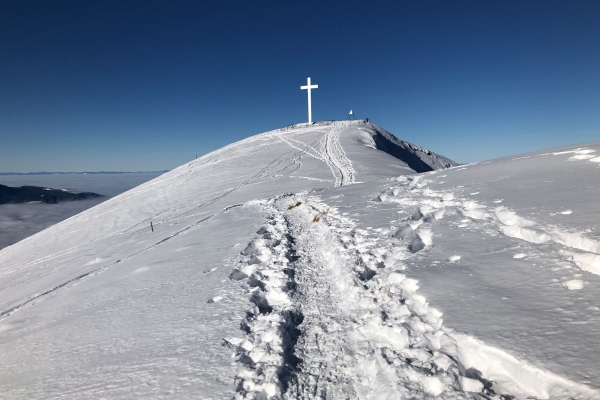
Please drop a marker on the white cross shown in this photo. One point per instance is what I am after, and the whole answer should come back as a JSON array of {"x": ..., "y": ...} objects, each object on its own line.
[{"x": 308, "y": 87}]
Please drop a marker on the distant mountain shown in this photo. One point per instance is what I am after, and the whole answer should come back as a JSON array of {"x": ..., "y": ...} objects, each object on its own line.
[
  {"x": 80, "y": 173},
  {"x": 27, "y": 194}
]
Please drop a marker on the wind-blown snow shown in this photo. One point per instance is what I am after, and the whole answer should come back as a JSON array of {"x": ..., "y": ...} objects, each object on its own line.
[{"x": 311, "y": 262}]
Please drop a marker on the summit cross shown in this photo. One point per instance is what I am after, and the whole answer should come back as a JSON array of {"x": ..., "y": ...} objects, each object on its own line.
[{"x": 309, "y": 87}]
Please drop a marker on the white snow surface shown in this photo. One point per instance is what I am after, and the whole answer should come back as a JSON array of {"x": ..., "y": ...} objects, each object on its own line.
[{"x": 310, "y": 262}]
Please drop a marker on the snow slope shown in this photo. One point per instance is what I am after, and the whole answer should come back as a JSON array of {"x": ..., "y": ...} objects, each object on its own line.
[
  {"x": 19, "y": 221},
  {"x": 311, "y": 262}
]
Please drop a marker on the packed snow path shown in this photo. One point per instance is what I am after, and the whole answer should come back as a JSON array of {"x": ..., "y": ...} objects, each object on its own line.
[
  {"x": 335, "y": 318},
  {"x": 321, "y": 326}
]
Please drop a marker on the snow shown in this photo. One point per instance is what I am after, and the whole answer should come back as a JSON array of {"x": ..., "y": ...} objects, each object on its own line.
[
  {"x": 574, "y": 284},
  {"x": 19, "y": 221},
  {"x": 310, "y": 262},
  {"x": 471, "y": 385}
]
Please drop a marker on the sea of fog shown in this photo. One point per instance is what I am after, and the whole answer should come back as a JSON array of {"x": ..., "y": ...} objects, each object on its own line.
[{"x": 18, "y": 221}]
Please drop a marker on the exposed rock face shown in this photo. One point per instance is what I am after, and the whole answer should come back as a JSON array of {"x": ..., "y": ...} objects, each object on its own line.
[
  {"x": 417, "y": 158},
  {"x": 26, "y": 194}
]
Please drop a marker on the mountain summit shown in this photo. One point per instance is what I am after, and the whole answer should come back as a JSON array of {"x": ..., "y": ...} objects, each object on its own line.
[{"x": 330, "y": 260}]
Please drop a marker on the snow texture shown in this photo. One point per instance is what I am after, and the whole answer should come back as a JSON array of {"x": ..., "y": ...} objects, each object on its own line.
[
  {"x": 19, "y": 221},
  {"x": 314, "y": 262}
]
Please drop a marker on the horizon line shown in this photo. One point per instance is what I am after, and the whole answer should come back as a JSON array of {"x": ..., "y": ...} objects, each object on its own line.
[{"x": 79, "y": 173}]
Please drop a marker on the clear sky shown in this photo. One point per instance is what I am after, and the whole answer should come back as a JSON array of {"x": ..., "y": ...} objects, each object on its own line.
[{"x": 146, "y": 85}]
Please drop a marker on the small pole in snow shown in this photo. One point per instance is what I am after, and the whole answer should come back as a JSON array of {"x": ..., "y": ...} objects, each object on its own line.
[{"x": 151, "y": 227}]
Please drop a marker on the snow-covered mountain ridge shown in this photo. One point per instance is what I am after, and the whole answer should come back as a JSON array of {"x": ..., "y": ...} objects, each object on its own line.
[{"x": 311, "y": 262}]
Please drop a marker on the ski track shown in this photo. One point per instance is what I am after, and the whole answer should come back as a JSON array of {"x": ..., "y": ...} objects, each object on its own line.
[
  {"x": 334, "y": 317},
  {"x": 302, "y": 147},
  {"x": 179, "y": 215},
  {"x": 329, "y": 151},
  {"x": 335, "y": 157},
  {"x": 32, "y": 299}
]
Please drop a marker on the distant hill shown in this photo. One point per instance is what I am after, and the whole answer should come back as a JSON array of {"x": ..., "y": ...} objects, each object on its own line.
[
  {"x": 26, "y": 194},
  {"x": 80, "y": 173}
]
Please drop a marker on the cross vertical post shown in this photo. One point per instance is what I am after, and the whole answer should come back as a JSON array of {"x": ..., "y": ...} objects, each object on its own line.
[{"x": 308, "y": 87}]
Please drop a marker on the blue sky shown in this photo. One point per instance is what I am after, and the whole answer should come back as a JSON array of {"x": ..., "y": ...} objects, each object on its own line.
[{"x": 146, "y": 85}]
